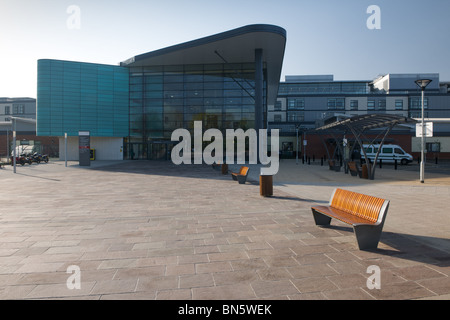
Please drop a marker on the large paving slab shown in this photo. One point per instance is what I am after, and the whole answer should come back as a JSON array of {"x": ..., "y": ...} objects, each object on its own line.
[{"x": 153, "y": 230}]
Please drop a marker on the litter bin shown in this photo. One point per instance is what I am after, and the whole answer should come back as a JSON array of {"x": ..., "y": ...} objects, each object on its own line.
[
  {"x": 266, "y": 186},
  {"x": 92, "y": 151}
]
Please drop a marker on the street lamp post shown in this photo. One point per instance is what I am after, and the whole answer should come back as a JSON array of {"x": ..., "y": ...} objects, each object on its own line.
[
  {"x": 14, "y": 143},
  {"x": 65, "y": 149},
  {"x": 296, "y": 147},
  {"x": 422, "y": 83}
]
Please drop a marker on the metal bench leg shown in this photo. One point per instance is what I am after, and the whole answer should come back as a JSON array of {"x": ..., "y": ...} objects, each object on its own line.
[
  {"x": 321, "y": 219},
  {"x": 368, "y": 236},
  {"x": 242, "y": 179}
]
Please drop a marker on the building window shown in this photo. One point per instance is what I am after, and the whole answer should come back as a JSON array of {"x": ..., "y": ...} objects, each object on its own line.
[
  {"x": 416, "y": 103},
  {"x": 371, "y": 105},
  {"x": 381, "y": 104},
  {"x": 278, "y": 106},
  {"x": 399, "y": 104},
  {"x": 296, "y": 104},
  {"x": 336, "y": 104},
  {"x": 353, "y": 104},
  {"x": 296, "y": 116},
  {"x": 7, "y": 109},
  {"x": 18, "y": 109},
  {"x": 433, "y": 147},
  {"x": 277, "y": 118}
]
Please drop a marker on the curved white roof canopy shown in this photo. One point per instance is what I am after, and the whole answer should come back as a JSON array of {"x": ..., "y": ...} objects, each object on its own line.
[{"x": 235, "y": 46}]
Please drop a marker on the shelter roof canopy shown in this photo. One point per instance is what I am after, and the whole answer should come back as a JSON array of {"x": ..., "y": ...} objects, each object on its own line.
[{"x": 365, "y": 122}]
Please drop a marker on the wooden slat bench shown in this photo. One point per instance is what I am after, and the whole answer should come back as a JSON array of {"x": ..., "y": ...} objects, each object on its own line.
[
  {"x": 241, "y": 176},
  {"x": 333, "y": 166},
  {"x": 365, "y": 213},
  {"x": 354, "y": 169}
]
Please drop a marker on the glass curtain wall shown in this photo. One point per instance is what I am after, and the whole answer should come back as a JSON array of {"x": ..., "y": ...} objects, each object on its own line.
[{"x": 166, "y": 98}]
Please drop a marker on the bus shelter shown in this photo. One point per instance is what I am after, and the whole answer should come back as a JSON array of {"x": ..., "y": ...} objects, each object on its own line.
[{"x": 341, "y": 128}]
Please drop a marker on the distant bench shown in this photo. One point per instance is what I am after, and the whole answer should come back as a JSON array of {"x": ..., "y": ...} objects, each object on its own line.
[
  {"x": 223, "y": 167},
  {"x": 365, "y": 213},
  {"x": 333, "y": 166},
  {"x": 241, "y": 176},
  {"x": 354, "y": 169}
]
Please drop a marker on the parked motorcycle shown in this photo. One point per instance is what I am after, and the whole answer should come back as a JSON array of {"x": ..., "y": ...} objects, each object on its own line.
[
  {"x": 40, "y": 157},
  {"x": 34, "y": 158},
  {"x": 21, "y": 159}
]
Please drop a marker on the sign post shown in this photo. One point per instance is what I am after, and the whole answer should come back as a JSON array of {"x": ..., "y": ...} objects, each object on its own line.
[
  {"x": 65, "y": 148},
  {"x": 84, "y": 145}
]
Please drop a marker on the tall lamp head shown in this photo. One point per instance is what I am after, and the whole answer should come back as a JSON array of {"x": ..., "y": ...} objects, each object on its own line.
[{"x": 423, "y": 83}]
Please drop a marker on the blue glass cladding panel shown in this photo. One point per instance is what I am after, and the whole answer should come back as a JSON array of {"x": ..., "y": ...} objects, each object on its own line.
[{"x": 75, "y": 96}]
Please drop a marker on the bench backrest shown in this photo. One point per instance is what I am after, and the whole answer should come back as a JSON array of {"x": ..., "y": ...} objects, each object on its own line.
[
  {"x": 352, "y": 165},
  {"x": 243, "y": 171},
  {"x": 361, "y": 205}
]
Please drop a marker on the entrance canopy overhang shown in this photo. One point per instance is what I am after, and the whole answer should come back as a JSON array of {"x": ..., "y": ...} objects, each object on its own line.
[
  {"x": 360, "y": 124},
  {"x": 234, "y": 46}
]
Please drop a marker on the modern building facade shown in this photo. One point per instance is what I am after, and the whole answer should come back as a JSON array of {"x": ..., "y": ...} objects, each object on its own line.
[
  {"x": 74, "y": 96},
  {"x": 227, "y": 81},
  {"x": 305, "y": 101}
]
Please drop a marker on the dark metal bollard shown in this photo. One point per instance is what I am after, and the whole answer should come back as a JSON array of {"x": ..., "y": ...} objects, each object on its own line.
[
  {"x": 381, "y": 163},
  {"x": 224, "y": 168},
  {"x": 395, "y": 164}
]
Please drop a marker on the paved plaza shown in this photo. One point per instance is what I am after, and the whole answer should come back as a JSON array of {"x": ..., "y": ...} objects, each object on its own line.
[{"x": 153, "y": 230}]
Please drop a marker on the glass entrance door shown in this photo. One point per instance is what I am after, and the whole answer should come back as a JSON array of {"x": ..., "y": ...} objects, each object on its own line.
[
  {"x": 149, "y": 151},
  {"x": 137, "y": 151},
  {"x": 157, "y": 151}
]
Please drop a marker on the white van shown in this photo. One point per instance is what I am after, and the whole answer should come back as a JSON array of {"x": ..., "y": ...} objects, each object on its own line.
[{"x": 389, "y": 153}]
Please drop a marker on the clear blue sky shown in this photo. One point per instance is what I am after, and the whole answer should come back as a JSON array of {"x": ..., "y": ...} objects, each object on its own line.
[{"x": 323, "y": 36}]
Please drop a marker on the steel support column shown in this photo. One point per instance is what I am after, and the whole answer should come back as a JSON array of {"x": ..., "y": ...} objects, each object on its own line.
[{"x": 259, "y": 93}]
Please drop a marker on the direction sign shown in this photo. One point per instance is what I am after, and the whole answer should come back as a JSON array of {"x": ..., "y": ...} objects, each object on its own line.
[{"x": 428, "y": 129}]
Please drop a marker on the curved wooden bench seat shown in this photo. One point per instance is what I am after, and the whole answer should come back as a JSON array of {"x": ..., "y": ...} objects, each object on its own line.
[
  {"x": 365, "y": 213},
  {"x": 241, "y": 176}
]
